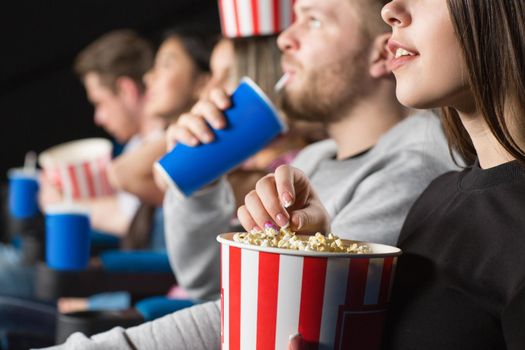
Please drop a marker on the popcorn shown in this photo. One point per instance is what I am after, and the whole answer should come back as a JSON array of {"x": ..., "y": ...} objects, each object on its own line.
[{"x": 284, "y": 238}]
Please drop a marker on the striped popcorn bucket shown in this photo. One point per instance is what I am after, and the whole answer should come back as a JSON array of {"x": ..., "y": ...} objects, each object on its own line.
[
  {"x": 245, "y": 18},
  {"x": 79, "y": 168},
  {"x": 334, "y": 300}
]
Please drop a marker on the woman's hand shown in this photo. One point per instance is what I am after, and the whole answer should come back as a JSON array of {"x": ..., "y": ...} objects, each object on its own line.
[{"x": 285, "y": 198}]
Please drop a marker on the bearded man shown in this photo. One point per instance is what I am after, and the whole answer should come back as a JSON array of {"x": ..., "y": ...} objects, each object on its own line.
[{"x": 379, "y": 156}]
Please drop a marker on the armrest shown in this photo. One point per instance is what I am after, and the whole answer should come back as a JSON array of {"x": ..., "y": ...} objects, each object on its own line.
[
  {"x": 101, "y": 241},
  {"x": 52, "y": 284},
  {"x": 93, "y": 322},
  {"x": 135, "y": 261},
  {"x": 29, "y": 323}
]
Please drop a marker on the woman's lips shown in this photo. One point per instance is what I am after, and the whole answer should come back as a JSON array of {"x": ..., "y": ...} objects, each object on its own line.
[
  {"x": 400, "y": 55},
  {"x": 396, "y": 63}
]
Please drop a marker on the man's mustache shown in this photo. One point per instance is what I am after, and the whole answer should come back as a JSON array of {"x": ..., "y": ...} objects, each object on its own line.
[{"x": 287, "y": 61}]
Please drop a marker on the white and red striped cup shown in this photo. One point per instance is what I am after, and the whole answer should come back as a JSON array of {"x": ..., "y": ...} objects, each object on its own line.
[
  {"x": 79, "y": 168},
  {"x": 334, "y": 300},
  {"x": 247, "y": 18}
]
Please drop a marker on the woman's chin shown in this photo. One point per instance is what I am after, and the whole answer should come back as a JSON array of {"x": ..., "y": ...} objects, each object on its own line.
[{"x": 414, "y": 99}]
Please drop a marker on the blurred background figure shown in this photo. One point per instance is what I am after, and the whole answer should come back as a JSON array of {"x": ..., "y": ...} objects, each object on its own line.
[
  {"x": 180, "y": 73},
  {"x": 111, "y": 69},
  {"x": 173, "y": 84}
]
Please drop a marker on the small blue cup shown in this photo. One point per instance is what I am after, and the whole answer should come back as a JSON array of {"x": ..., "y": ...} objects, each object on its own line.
[
  {"x": 68, "y": 237},
  {"x": 23, "y": 192},
  {"x": 252, "y": 123}
]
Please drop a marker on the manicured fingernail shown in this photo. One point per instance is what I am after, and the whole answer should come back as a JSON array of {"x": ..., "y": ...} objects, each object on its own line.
[
  {"x": 269, "y": 224},
  {"x": 287, "y": 199},
  {"x": 255, "y": 229},
  {"x": 293, "y": 336},
  {"x": 281, "y": 220}
]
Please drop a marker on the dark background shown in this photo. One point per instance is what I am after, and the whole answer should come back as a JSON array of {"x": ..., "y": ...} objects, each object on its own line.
[{"x": 41, "y": 101}]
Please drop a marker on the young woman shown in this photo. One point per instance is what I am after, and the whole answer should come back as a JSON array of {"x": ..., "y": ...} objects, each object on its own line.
[
  {"x": 461, "y": 281},
  {"x": 180, "y": 72}
]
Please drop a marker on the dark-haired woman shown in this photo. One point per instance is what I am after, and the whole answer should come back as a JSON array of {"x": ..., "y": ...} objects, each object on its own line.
[{"x": 461, "y": 281}]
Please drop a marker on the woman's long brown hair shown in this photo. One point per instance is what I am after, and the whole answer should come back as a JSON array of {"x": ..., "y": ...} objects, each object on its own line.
[{"x": 492, "y": 36}]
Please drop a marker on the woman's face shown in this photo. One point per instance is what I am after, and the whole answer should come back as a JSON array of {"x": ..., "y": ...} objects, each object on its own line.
[
  {"x": 428, "y": 63},
  {"x": 173, "y": 84},
  {"x": 221, "y": 64}
]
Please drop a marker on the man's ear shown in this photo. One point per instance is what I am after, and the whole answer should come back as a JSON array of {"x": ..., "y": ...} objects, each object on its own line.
[
  {"x": 128, "y": 89},
  {"x": 380, "y": 57}
]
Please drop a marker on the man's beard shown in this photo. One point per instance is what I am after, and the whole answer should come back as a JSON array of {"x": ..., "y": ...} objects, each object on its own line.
[{"x": 329, "y": 92}]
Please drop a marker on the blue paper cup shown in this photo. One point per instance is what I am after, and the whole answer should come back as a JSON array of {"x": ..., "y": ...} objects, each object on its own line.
[
  {"x": 23, "y": 193},
  {"x": 67, "y": 237},
  {"x": 252, "y": 123}
]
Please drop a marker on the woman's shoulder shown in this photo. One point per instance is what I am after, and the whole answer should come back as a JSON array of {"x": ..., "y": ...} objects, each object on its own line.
[
  {"x": 435, "y": 196},
  {"x": 439, "y": 189}
]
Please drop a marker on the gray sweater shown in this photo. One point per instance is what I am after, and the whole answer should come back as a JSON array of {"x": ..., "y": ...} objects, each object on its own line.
[
  {"x": 368, "y": 196},
  {"x": 191, "y": 226}
]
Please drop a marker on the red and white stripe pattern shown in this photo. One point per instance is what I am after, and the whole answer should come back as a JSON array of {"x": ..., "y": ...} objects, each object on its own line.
[
  {"x": 334, "y": 303},
  {"x": 244, "y": 18},
  {"x": 82, "y": 180}
]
